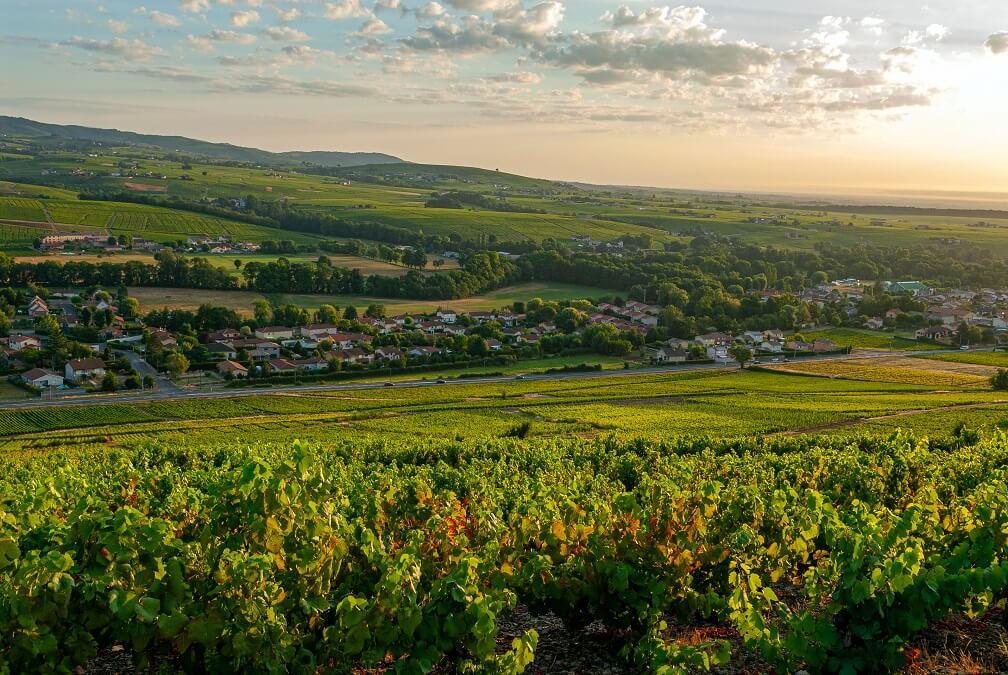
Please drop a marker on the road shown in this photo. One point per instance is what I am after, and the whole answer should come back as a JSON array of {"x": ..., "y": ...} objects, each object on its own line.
[
  {"x": 165, "y": 385},
  {"x": 176, "y": 393}
]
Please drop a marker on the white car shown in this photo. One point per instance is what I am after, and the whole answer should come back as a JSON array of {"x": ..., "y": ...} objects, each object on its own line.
[{"x": 964, "y": 348}]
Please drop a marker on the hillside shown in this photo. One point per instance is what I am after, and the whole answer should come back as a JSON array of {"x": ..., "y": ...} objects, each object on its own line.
[{"x": 19, "y": 126}]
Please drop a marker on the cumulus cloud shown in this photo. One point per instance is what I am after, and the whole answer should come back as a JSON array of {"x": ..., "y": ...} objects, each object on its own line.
[
  {"x": 345, "y": 9},
  {"x": 287, "y": 15},
  {"x": 163, "y": 19},
  {"x": 521, "y": 77},
  {"x": 873, "y": 25},
  {"x": 244, "y": 18},
  {"x": 373, "y": 26},
  {"x": 933, "y": 33},
  {"x": 286, "y": 34},
  {"x": 194, "y": 6},
  {"x": 117, "y": 27},
  {"x": 205, "y": 42},
  {"x": 430, "y": 10},
  {"x": 997, "y": 43}
]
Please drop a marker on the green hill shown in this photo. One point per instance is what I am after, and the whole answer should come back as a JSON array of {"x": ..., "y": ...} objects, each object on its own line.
[{"x": 21, "y": 127}]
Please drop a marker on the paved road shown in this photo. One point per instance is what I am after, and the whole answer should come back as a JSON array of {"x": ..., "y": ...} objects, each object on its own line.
[
  {"x": 181, "y": 394},
  {"x": 145, "y": 369}
]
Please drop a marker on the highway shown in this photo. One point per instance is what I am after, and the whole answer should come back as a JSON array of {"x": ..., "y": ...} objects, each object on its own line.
[{"x": 176, "y": 394}]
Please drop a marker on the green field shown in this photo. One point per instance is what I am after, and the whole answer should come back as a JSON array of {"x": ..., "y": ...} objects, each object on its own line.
[
  {"x": 867, "y": 339},
  {"x": 992, "y": 359},
  {"x": 670, "y": 405},
  {"x": 14, "y": 208},
  {"x": 182, "y": 298}
]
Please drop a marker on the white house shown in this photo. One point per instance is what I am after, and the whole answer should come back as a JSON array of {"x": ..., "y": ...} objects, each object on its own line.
[
  {"x": 42, "y": 378},
  {"x": 77, "y": 370}
]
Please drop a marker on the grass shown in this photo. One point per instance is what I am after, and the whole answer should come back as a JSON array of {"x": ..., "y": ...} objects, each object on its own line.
[
  {"x": 992, "y": 359},
  {"x": 16, "y": 208},
  {"x": 871, "y": 371},
  {"x": 866, "y": 339},
  {"x": 367, "y": 266},
  {"x": 241, "y": 301}
]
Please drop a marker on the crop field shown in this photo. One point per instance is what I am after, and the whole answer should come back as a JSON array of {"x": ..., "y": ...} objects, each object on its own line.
[
  {"x": 14, "y": 208},
  {"x": 421, "y": 553},
  {"x": 885, "y": 370},
  {"x": 990, "y": 359},
  {"x": 241, "y": 301},
  {"x": 633, "y": 405},
  {"x": 367, "y": 266}
]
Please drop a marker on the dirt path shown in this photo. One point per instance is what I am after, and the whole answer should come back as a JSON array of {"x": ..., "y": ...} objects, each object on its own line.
[
  {"x": 48, "y": 216},
  {"x": 881, "y": 418}
]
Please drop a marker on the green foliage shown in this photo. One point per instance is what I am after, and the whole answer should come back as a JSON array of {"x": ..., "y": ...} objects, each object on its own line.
[{"x": 999, "y": 380}]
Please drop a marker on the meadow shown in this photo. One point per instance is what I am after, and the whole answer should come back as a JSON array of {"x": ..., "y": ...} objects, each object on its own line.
[
  {"x": 867, "y": 339},
  {"x": 991, "y": 359}
]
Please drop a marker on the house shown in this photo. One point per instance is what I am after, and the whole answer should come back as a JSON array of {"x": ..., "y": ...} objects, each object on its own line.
[
  {"x": 274, "y": 333},
  {"x": 494, "y": 345},
  {"x": 78, "y": 370},
  {"x": 874, "y": 323},
  {"x": 824, "y": 346},
  {"x": 447, "y": 315},
  {"x": 422, "y": 351},
  {"x": 258, "y": 348},
  {"x": 353, "y": 355},
  {"x": 713, "y": 340},
  {"x": 232, "y": 368},
  {"x": 389, "y": 353},
  {"x": 223, "y": 335},
  {"x": 164, "y": 338},
  {"x": 19, "y": 342},
  {"x": 719, "y": 354},
  {"x": 42, "y": 378},
  {"x": 291, "y": 365},
  {"x": 219, "y": 350},
  {"x": 37, "y": 307},
  {"x": 665, "y": 355},
  {"x": 797, "y": 346},
  {"x": 934, "y": 333}
]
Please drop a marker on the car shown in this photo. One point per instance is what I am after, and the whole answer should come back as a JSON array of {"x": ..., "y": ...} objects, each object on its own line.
[
  {"x": 390, "y": 384},
  {"x": 441, "y": 380},
  {"x": 519, "y": 377},
  {"x": 964, "y": 348}
]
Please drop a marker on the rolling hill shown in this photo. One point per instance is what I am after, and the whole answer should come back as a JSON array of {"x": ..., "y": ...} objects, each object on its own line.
[{"x": 19, "y": 126}]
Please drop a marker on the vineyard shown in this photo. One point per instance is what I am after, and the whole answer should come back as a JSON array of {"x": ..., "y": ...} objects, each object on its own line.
[
  {"x": 884, "y": 372},
  {"x": 650, "y": 406},
  {"x": 14, "y": 208},
  {"x": 821, "y": 554}
]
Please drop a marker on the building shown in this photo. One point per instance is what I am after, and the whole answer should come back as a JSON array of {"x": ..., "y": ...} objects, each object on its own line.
[
  {"x": 665, "y": 355},
  {"x": 232, "y": 368},
  {"x": 274, "y": 333},
  {"x": 19, "y": 342},
  {"x": 78, "y": 370},
  {"x": 934, "y": 333},
  {"x": 42, "y": 378},
  {"x": 389, "y": 353},
  {"x": 37, "y": 307},
  {"x": 258, "y": 348}
]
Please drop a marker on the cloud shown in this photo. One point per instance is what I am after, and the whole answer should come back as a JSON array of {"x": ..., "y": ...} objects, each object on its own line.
[
  {"x": 162, "y": 19},
  {"x": 345, "y": 9},
  {"x": 933, "y": 33},
  {"x": 470, "y": 35},
  {"x": 117, "y": 27},
  {"x": 136, "y": 50},
  {"x": 373, "y": 26},
  {"x": 997, "y": 43},
  {"x": 521, "y": 26},
  {"x": 194, "y": 6},
  {"x": 205, "y": 42},
  {"x": 430, "y": 10},
  {"x": 482, "y": 5},
  {"x": 287, "y": 15},
  {"x": 286, "y": 34},
  {"x": 522, "y": 77},
  {"x": 873, "y": 25},
  {"x": 244, "y": 18}
]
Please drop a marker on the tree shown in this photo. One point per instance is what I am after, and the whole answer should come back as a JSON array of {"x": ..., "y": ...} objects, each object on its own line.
[
  {"x": 327, "y": 314},
  {"x": 350, "y": 313},
  {"x": 263, "y": 312},
  {"x": 176, "y": 364},
  {"x": 740, "y": 353},
  {"x": 130, "y": 308},
  {"x": 999, "y": 380},
  {"x": 237, "y": 264},
  {"x": 375, "y": 311},
  {"x": 109, "y": 382}
]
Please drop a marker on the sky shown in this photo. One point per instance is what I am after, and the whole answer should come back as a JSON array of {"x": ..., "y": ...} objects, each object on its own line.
[{"x": 829, "y": 96}]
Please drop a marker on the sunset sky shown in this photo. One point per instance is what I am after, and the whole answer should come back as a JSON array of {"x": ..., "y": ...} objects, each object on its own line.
[{"x": 771, "y": 95}]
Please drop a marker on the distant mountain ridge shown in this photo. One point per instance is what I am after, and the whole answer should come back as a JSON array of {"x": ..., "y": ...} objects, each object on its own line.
[{"x": 20, "y": 126}]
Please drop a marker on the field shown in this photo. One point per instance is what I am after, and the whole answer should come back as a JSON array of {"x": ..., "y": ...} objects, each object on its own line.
[
  {"x": 351, "y": 555},
  {"x": 367, "y": 266},
  {"x": 395, "y": 194},
  {"x": 630, "y": 405},
  {"x": 991, "y": 360},
  {"x": 241, "y": 301},
  {"x": 905, "y": 371},
  {"x": 866, "y": 339},
  {"x": 13, "y": 208}
]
